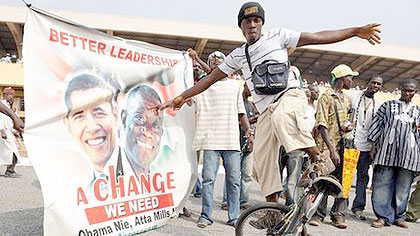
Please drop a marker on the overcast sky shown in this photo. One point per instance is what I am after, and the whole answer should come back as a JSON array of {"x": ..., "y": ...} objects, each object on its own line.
[{"x": 400, "y": 19}]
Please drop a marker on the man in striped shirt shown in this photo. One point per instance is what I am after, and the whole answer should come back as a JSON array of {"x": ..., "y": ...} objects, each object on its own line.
[
  {"x": 395, "y": 134},
  {"x": 217, "y": 133}
]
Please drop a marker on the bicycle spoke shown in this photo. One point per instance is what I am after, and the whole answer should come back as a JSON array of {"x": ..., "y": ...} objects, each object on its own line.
[{"x": 262, "y": 222}]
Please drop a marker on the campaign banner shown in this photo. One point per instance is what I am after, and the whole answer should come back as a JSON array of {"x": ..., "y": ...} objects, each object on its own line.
[{"x": 108, "y": 163}]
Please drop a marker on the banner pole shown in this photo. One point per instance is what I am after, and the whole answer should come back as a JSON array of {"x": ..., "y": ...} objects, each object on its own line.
[{"x": 27, "y": 4}]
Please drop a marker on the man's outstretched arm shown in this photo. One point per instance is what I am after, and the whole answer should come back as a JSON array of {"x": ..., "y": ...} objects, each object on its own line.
[
  {"x": 369, "y": 32},
  {"x": 17, "y": 122},
  {"x": 202, "y": 85}
]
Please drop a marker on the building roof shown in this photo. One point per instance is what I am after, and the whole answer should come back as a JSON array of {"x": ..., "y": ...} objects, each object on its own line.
[{"x": 394, "y": 62}]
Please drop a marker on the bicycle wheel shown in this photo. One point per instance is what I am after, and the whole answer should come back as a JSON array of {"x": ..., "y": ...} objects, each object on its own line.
[{"x": 261, "y": 219}]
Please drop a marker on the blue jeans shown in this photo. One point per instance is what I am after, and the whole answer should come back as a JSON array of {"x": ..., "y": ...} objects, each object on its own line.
[
  {"x": 391, "y": 188},
  {"x": 363, "y": 165},
  {"x": 197, "y": 187},
  {"x": 246, "y": 180},
  {"x": 232, "y": 164}
]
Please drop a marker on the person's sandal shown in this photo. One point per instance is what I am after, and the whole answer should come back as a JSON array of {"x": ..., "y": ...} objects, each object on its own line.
[
  {"x": 379, "y": 223},
  {"x": 9, "y": 174},
  {"x": 203, "y": 223},
  {"x": 359, "y": 215},
  {"x": 339, "y": 222},
  {"x": 401, "y": 223},
  {"x": 245, "y": 206},
  {"x": 315, "y": 221}
]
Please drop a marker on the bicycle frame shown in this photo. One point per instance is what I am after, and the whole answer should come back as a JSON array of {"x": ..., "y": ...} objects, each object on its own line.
[
  {"x": 293, "y": 218},
  {"x": 302, "y": 212}
]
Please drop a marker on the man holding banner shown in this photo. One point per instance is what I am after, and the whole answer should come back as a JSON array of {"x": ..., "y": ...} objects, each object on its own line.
[
  {"x": 332, "y": 123},
  {"x": 51, "y": 49},
  {"x": 287, "y": 107}
]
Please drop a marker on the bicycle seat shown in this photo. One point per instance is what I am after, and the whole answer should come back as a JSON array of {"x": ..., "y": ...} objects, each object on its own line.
[{"x": 331, "y": 184}]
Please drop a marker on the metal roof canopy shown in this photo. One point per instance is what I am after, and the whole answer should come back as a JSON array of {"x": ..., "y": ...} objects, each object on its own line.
[
  {"x": 394, "y": 63},
  {"x": 7, "y": 45}
]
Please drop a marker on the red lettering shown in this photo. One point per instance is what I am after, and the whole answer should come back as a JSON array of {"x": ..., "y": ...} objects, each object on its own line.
[
  {"x": 165, "y": 62},
  {"x": 101, "y": 48},
  {"x": 112, "y": 52},
  {"x": 172, "y": 62},
  {"x": 169, "y": 180},
  {"x": 64, "y": 38},
  {"x": 92, "y": 45},
  {"x": 160, "y": 188},
  {"x": 129, "y": 56},
  {"x": 150, "y": 59},
  {"x": 145, "y": 183},
  {"x": 175, "y": 62},
  {"x": 115, "y": 186},
  {"x": 121, "y": 53},
  {"x": 157, "y": 61},
  {"x": 74, "y": 37},
  {"x": 132, "y": 186},
  {"x": 136, "y": 57},
  {"x": 53, "y": 35},
  {"x": 143, "y": 58},
  {"x": 97, "y": 189},
  {"x": 81, "y": 197},
  {"x": 84, "y": 40}
]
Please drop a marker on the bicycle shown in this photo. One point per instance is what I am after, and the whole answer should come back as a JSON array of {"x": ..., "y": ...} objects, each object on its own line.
[{"x": 278, "y": 219}]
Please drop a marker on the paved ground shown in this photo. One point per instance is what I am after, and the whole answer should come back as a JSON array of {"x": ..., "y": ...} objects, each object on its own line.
[{"x": 21, "y": 213}]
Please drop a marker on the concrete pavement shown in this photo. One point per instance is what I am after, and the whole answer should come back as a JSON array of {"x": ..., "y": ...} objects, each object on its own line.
[{"x": 21, "y": 213}]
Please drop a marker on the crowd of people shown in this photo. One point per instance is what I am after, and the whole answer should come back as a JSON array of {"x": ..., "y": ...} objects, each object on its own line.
[
  {"x": 11, "y": 59},
  {"x": 387, "y": 135},
  {"x": 260, "y": 134},
  {"x": 335, "y": 121}
]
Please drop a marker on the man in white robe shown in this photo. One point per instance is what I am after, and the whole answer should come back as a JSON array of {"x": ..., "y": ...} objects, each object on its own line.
[{"x": 9, "y": 153}]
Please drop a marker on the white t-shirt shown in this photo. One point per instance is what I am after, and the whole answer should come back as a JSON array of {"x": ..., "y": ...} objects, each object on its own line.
[
  {"x": 217, "y": 109},
  {"x": 271, "y": 46},
  {"x": 310, "y": 117},
  {"x": 363, "y": 120}
]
